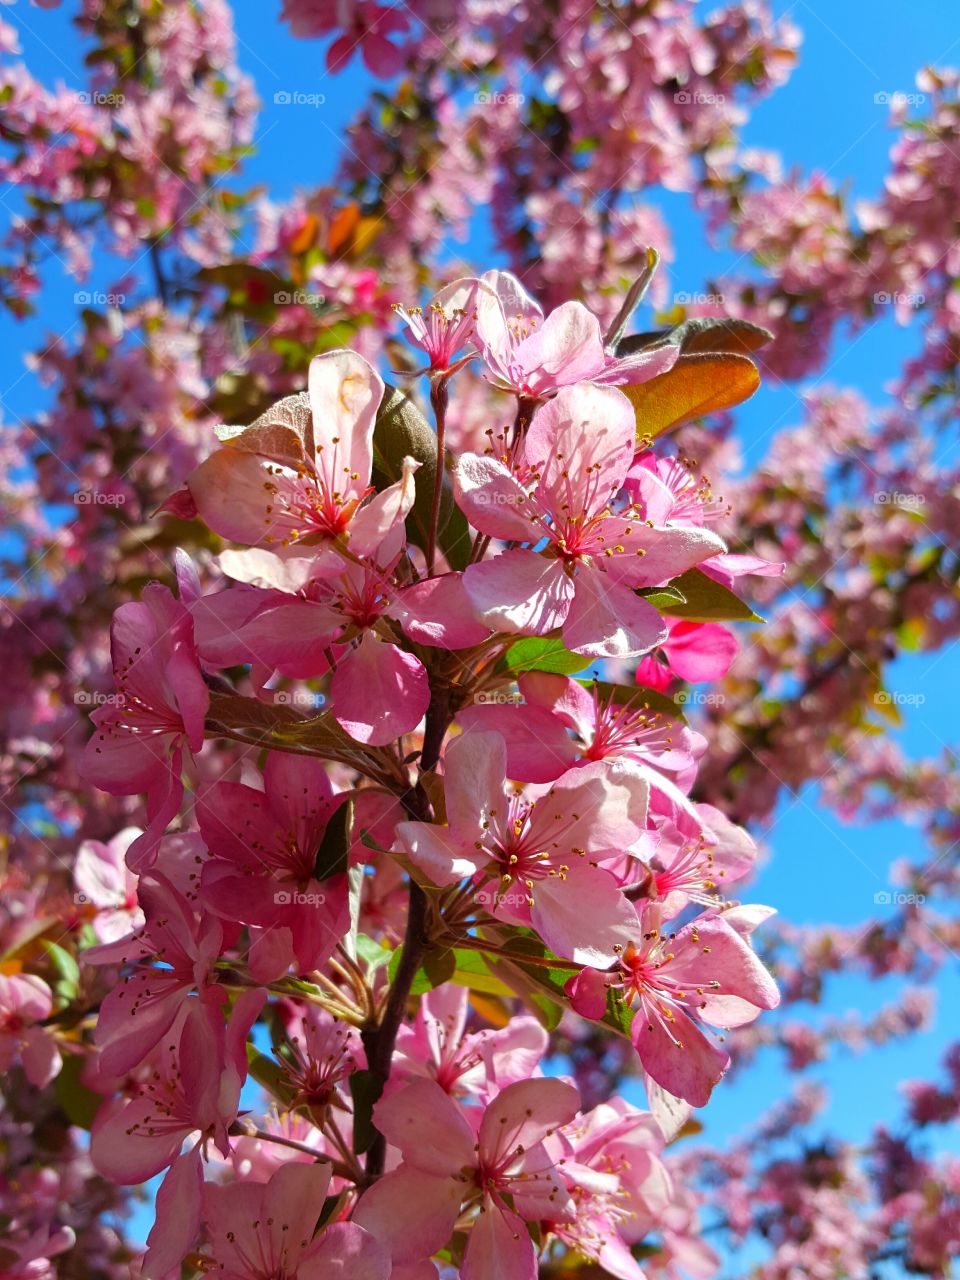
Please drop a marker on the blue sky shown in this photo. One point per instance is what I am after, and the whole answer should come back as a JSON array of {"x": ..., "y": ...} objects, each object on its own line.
[{"x": 825, "y": 119}]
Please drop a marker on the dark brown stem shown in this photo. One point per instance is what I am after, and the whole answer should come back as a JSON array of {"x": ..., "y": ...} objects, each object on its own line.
[{"x": 379, "y": 1041}]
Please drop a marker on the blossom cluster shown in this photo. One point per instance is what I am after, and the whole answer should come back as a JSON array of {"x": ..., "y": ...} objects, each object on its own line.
[{"x": 463, "y": 816}]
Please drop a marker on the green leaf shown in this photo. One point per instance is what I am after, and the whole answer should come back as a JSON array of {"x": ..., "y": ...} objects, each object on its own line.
[
  {"x": 333, "y": 854},
  {"x": 268, "y": 1074},
  {"x": 67, "y": 981},
  {"x": 542, "y": 653},
  {"x": 402, "y": 431},
  {"x": 660, "y": 597},
  {"x": 706, "y": 600},
  {"x": 79, "y": 1104},
  {"x": 472, "y": 971},
  {"x": 373, "y": 955},
  {"x": 438, "y": 967}
]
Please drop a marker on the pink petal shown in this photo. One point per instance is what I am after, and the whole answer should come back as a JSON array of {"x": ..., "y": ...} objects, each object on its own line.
[
  {"x": 582, "y": 444},
  {"x": 584, "y": 917},
  {"x": 428, "y": 1127},
  {"x": 379, "y": 692},
  {"x": 177, "y": 1216},
  {"x": 607, "y": 620},
  {"x": 438, "y": 612},
  {"x": 520, "y": 592},
  {"x": 344, "y": 1251},
  {"x": 700, "y": 650},
  {"x": 524, "y": 1114},
  {"x": 411, "y": 1212},
  {"x": 499, "y": 1248},
  {"x": 539, "y": 749},
  {"x": 345, "y": 393},
  {"x": 690, "y": 1069},
  {"x": 442, "y": 855},
  {"x": 493, "y": 500}
]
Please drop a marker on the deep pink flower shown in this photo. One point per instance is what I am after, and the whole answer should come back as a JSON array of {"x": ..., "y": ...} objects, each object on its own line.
[
  {"x": 694, "y": 651},
  {"x": 262, "y": 1231},
  {"x": 161, "y": 703},
  {"x": 704, "y": 973},
  {"x": 139, "y": 1011},
  {"x": 561, "y": 723},
  {"x": 446, "y": 325},
  {"x": 263, "y": 870},
  {"x": 191, "y": 1085},
  {"x": 474, "y": 1063},
  {"x": 500, "y": 1170},
  {"x": 561, "y": 491},
  {"x": 538, "y": 852}
]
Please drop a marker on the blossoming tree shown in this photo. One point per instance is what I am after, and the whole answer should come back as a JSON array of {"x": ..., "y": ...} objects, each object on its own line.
[{"x": 361, "y": 857}]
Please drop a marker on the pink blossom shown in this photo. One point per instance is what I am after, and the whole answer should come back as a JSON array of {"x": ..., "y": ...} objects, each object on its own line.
[
  {"x": 291, "y": 483},
  {"x": 263, "y": 869},
  {"x": 694, "y": 651},
  {"x": 447, "y": 324},
  {"x": 704, "y": 973},
  {"x": 259, "y": 1231},
  {"x": 499, "y": 1170},
  {"x": 561, "y": 487},
  {"x": 105, "y": 881},
  {"x": 561, "y": 723},
  {"x": 161, "y": 703},
  {"x": 538, "y": 852},
  {"x": 535, "y": 357},
  {"x": 25, "y": 1002}
]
